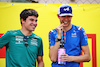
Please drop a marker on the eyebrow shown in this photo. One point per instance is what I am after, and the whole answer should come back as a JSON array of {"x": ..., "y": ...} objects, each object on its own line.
[{"x": 32, "y": 19}]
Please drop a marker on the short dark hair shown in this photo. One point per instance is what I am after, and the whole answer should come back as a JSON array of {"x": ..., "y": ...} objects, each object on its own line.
[{"x": 28, "y": 12}]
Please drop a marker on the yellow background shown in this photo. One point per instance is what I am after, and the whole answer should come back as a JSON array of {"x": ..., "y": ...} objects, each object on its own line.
[{"x": 85, "y": 15}]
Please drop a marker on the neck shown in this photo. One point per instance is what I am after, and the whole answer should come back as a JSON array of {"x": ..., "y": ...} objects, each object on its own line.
[
  {"x": 67, "y": 28},
  {"x": 26, "y": 32}
]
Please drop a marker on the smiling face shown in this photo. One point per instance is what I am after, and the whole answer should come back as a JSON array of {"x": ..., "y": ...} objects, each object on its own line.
[
  {"x": 30, "y": 23},
  {"x": 66, "y": 20}
]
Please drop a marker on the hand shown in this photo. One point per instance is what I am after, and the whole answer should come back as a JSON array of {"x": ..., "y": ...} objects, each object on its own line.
[
  {"x": 65, "y": 57},
  {"x": 59, "y": 28}
]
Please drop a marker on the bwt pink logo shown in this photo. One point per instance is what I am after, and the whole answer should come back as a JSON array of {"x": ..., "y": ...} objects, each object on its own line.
[{"x": 90, "y": 36}]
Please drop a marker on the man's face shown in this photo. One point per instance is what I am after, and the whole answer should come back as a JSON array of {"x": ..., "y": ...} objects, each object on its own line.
[
  {"x": 65, "y": 19},
  {"x": 30, "y": 23}
]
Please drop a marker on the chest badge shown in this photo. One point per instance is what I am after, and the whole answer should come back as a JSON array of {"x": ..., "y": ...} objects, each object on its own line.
[{"x": 73, "y": 35}]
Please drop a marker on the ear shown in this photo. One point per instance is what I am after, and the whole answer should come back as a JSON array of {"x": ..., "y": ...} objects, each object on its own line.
[
  {"x": 58, "y": 15},
  {"x": 23, "y": 21}
]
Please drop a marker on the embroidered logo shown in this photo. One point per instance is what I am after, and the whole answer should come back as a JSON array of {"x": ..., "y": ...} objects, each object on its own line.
[
  {"x": 66, "y": 9},
  {"x": 18, "y": 39},
  {"x": 34, "y": 42},
  {"x": 73, "y": 35}
]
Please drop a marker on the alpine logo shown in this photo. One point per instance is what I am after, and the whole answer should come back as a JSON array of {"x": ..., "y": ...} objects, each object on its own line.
[{"x": 66, "y": 9}]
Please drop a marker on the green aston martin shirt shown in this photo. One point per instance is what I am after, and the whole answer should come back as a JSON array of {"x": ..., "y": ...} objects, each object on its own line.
[{"x": 17, "y": 54}]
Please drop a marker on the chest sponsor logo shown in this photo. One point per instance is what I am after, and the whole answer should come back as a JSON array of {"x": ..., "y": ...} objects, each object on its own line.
[
  {"x": 34, "y": 42},
  {"x": 73, "y": 35},
  {"x": 18, "y": 39}
]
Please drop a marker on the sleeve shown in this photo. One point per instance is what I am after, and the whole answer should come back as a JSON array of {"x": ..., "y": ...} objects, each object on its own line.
[
  {"x": 40, "y": 50},
  {"x": 51, "y": 39},
  {"x": 84, "y": 39},
  {"x": 5, "y": 39}
]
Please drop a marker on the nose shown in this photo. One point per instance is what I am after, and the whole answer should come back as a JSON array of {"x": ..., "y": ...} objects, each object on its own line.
[{"x": 35, "y": 23}]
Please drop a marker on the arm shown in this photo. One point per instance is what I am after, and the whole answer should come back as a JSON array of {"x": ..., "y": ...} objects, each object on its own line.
[
  {"x": 40, "y": 61},
  {"x": 5, "y": 39},
  {"x": 85, "y": 57},
  {"x": 40, "y": 55},
  {"x": 53, "y": 51},
  {"x": 82, "y": 58}
]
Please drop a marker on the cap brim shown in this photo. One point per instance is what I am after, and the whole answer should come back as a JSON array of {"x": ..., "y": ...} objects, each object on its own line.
[{"x": 66, "y": 14}]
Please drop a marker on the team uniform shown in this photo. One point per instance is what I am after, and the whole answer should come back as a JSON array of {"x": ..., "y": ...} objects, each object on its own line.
[
  {"x": 17, "y": 54},
  {"x": 74, "y": 39}
]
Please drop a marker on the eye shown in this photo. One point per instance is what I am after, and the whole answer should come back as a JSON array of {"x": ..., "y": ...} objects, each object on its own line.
[
  {"x": 69, "y": 16},
  {"x": 66, "y": 16},
  {"x": 31, "y": 19}
]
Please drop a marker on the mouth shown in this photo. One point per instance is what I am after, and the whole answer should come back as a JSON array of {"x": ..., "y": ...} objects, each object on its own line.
[
  {"x": 65, "y": 22},
  {"x": 33, "y": 25}
]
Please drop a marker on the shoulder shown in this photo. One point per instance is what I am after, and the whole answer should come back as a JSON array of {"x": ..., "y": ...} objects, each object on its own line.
[
  {"x": 10, "y": 32},
  {"x": 78, "y": 28},
  {"x": 53, "y": 31},
  {"x": 13, "y": 31},
  {"x": 36, "y": 36}
]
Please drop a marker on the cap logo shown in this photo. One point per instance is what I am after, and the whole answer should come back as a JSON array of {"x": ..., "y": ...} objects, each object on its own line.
[{"x": 66, "y": 9}]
